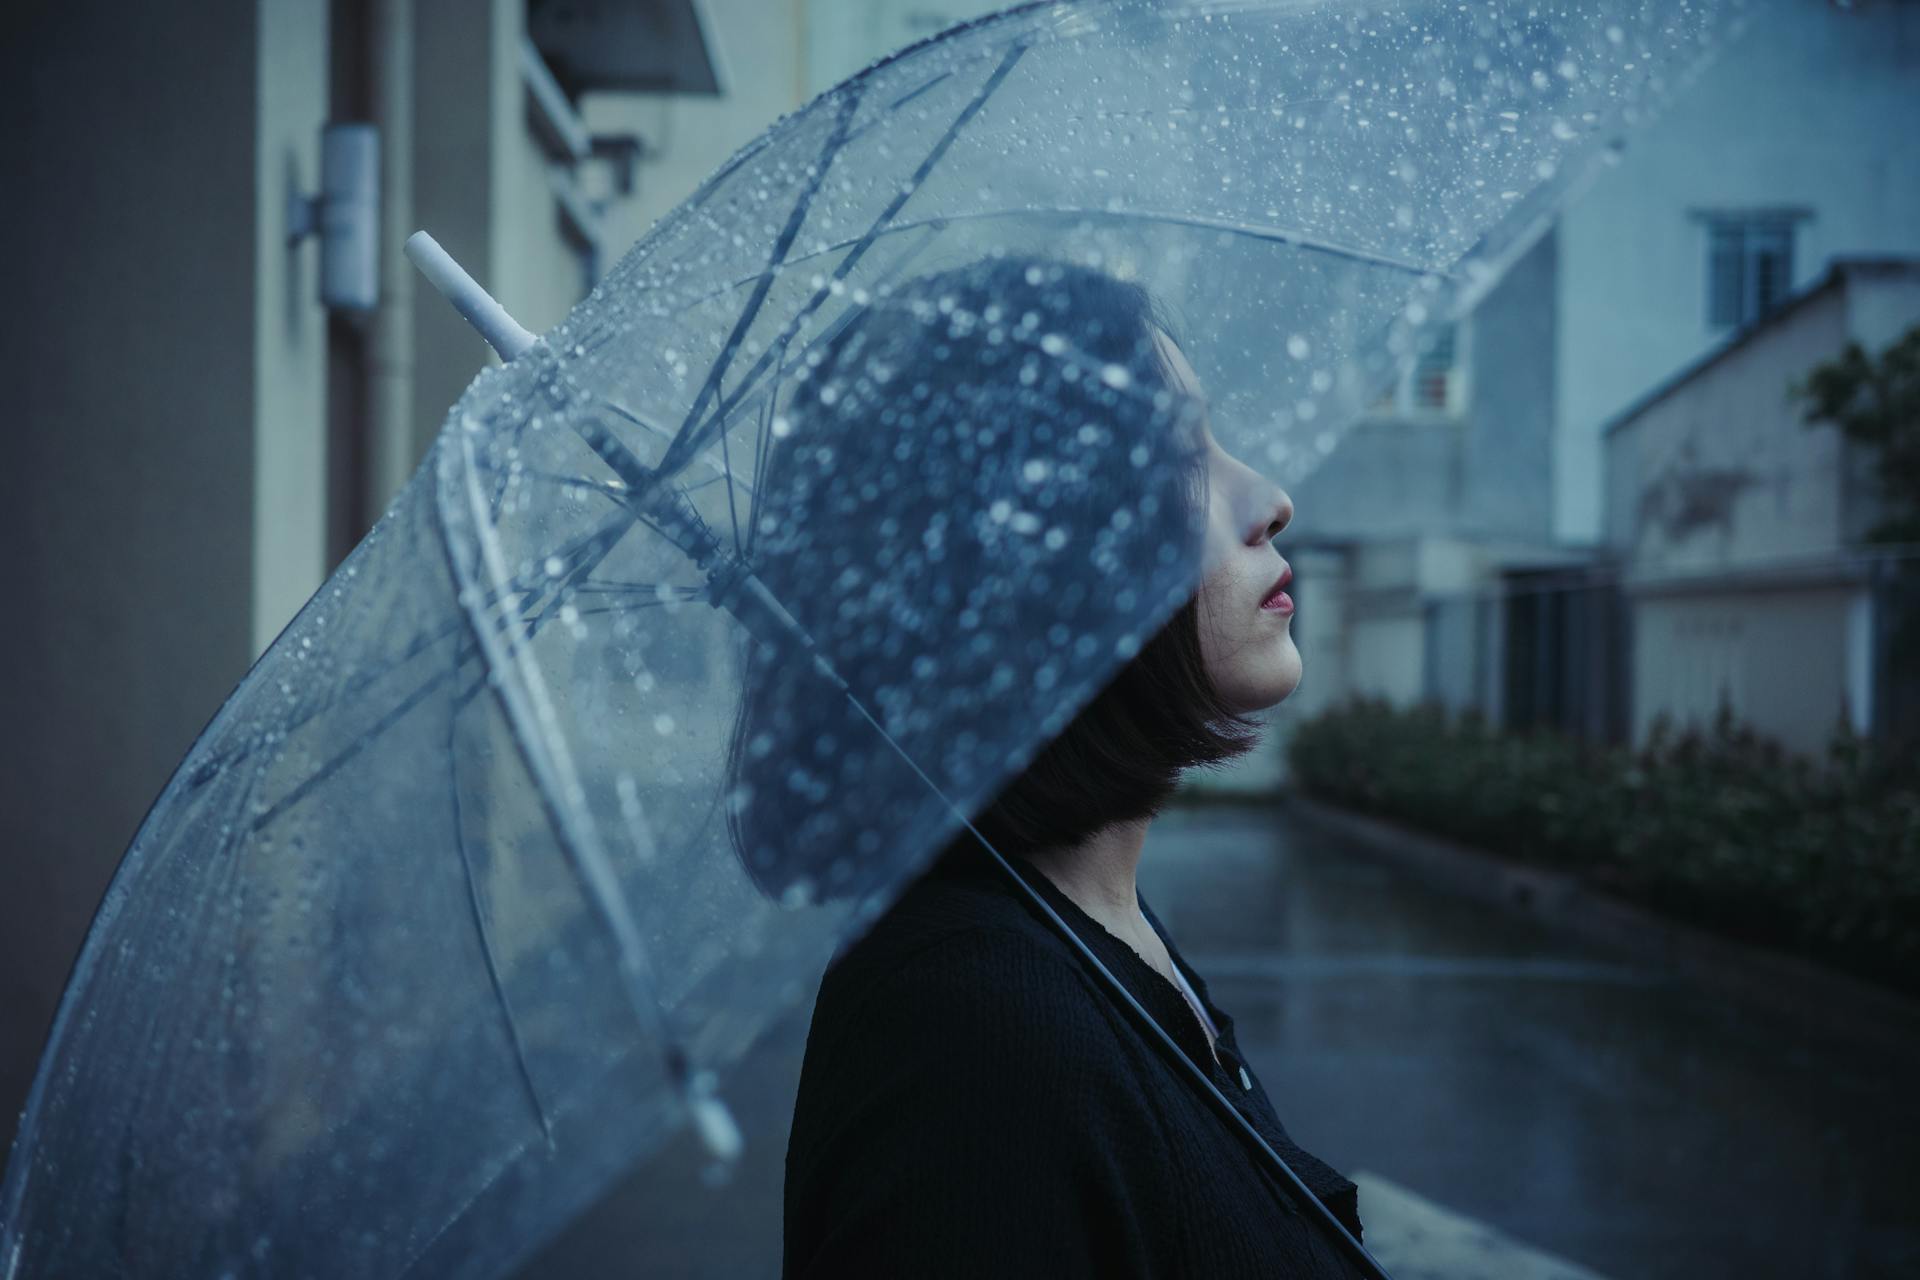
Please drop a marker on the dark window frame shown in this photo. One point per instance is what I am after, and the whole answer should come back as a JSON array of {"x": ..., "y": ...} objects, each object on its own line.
[{"x": 1749, "y": 263}]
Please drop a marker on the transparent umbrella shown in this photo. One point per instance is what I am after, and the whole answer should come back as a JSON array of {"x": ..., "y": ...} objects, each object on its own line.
[{"x": 709, "y": 620}]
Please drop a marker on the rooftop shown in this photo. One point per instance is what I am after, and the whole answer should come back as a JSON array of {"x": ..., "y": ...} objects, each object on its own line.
[{"x": 1838, "y": 273}]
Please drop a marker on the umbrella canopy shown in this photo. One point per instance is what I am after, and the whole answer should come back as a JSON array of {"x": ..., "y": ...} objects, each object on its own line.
[{"x": 716, "y": 611}]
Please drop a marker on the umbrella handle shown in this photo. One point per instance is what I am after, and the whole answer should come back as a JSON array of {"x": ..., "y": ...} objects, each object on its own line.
[{"x": 475, "y": 304}]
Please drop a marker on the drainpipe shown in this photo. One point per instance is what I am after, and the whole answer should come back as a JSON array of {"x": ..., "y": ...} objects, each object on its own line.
[{"x": 390, "y": 443}]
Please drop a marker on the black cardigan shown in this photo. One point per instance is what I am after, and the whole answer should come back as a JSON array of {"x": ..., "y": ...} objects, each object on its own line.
[{"x": 973, "y": 1103}]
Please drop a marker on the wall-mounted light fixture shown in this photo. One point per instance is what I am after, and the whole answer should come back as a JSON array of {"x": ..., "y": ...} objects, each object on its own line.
[{"x": 346, "y": 217}]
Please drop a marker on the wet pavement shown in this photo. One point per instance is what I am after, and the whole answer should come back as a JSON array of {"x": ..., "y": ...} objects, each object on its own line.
[{"x": 1514, "y": 1103}]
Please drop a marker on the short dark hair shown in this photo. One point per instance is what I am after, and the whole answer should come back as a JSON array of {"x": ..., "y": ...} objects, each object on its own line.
[{"x": 957, "y": 392}]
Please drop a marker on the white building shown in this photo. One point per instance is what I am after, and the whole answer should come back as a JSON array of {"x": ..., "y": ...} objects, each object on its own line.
[
  {"x": 1737, "y": 528},
  {"x": 194, "y": 438},
  {"x": 1794, "y": 148},
  {"x": 1438, "y": 548}
]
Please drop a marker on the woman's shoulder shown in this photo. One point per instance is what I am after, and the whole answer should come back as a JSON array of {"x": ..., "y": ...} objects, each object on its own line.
[
  {"x": 957, "y": 952},
  {"x": 944, "y": 932}
]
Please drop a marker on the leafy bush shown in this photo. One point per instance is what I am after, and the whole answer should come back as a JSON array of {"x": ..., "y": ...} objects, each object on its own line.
[{"x": 1722, "y": 828}]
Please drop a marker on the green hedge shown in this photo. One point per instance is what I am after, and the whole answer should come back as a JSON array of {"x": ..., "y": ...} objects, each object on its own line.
[{"x": 1721, "y": 828}]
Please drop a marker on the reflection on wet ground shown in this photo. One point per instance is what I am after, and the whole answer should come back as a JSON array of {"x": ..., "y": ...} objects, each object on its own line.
[{"x": 1567, "y": 1108}]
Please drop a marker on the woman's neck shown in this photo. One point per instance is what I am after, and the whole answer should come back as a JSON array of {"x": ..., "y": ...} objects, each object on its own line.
[{"x": 1099, "y": 874}]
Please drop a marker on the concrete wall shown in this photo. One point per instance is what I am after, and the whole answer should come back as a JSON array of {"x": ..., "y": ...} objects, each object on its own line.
[
  {"x": 539, "y": 269},
  {"x": 1387, "y": 478},
  {"x": 163, "y": 405},
  {"x": 1485, "y": 472},
  {"x": 772, "y": 56},
  {"x": 289, "y": 338},
  {"x": 1807, "y": 110},
  {"x": 1737, "y": 525},
  {"x": 758, "y": 47},
  {"x": 1783, "y": 660},
  {"x": 465, "y": 83},
  {"x": 1387, "y": 642},
  {"x": 1506, "y": 459},
  {"x": 845, "y": 36},
  {"x": 1722, "y": 471}
]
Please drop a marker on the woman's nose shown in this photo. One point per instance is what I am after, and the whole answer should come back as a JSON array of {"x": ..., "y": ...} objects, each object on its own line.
[{"x": 1276, "y": 514}]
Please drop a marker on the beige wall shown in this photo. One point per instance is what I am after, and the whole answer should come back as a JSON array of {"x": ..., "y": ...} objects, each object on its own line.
[
  {"x": 1802, "y": 111},
  {"x": 1387, "y": 643},
  {"x": 846, "y": 36},
  {"x": 539, "y": 272},
  {"x": 1723, "y": 471},
  {"x": 1738, "y": 525},
  {"x": 1780, "y": 659},
  {"x": 459, "y": 68},
  {"x": 164, "y": 406},
  {"x": 289, "y": 326},
  {"x": 758, "y": 52}
]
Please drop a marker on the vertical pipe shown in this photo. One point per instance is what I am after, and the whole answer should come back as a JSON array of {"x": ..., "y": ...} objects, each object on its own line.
[{"x": 390, "y": 443}]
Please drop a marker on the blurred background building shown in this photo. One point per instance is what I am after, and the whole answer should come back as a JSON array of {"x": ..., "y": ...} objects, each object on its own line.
[
  {"x": 1483, "y": 538},
  {"x": 1589, "y": 503},
  {"x": 1738, "y": 537}
]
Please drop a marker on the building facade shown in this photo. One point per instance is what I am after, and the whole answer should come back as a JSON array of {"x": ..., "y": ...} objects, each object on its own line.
[
  {"x": 196, "y": 439},
  {"x": 1454, "y": 545},
  {"x": 1738, "y": 529}
]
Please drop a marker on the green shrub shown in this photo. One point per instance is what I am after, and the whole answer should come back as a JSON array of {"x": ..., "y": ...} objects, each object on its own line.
[{"x": 1718, "y": 827}]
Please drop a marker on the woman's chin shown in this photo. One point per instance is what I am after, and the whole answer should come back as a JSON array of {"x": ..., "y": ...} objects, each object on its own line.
[{"x": 1267, "y": 683}]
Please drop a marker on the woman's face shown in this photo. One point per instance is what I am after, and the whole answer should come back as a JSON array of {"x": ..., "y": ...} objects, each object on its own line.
[{"x": 1246, "y": 618}]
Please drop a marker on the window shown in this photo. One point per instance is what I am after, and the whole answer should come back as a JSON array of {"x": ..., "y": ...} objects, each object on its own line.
[
  {"x": 1435, "y": 385},
  {"x": 1749, "y": 266},
  {"x": 1432, "y": 387}
]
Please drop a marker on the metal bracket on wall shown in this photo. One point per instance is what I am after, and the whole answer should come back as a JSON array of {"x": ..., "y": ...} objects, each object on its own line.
[{"x": 346, "y": 217}]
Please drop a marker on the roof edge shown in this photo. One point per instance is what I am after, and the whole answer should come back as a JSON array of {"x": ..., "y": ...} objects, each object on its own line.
[{"x": 1839, "y": 271}]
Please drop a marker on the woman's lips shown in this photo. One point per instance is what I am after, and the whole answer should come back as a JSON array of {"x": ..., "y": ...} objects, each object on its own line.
[{"x": 1278, "y": 601}]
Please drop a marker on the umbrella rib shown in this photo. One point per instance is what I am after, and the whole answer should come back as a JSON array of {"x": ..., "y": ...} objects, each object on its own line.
[
  {"x": 762, "y": 434},
  {"x": 656, "y": 429},
  {"x": 1253, "y": 230},
  {"x": 609, "y": 586},
  {"x": 550, "y": 765},
  {"x": 360, "y": 743},
  {"x": 480, "y": 918},
  {"x": 796, "y": 217},
  {"x": 207, "y": 771},
  {"x": 638, "y": 478},
  {"x": 605, "y": 488},
  {"x": 692, "y": 437},
  {"x": 1232, "y": 226},
  {"x": 1250, "y": 230},
  {"x": 770, "y": 388},
  {"x": 733, "y": 510}
]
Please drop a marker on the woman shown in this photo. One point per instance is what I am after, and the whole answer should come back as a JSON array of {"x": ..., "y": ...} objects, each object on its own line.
[{"x": 973, "y": 1102}]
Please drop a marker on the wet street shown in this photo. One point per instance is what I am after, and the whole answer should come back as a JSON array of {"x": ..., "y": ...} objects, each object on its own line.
[{"x": 1513, "y": 1103}]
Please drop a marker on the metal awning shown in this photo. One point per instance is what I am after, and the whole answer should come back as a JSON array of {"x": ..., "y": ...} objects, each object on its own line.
[{"x": 650, "y": 46}]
